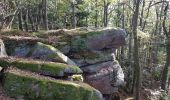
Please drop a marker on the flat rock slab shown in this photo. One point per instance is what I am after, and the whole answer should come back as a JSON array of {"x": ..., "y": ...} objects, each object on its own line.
[
  {"x": 99, "y": 39},
  {"x": 42, "y": 67},
  {"x": 24, "y": 85}
]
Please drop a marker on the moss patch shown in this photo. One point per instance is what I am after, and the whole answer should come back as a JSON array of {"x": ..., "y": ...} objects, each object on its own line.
[
  {"x": 29, "y": 86},
  {"x": 45, "y": 68},
  {"x": 87, "y": 34}
]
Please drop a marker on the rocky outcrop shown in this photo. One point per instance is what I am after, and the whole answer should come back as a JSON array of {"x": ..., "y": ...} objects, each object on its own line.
[{"x": 93, "y": 51}]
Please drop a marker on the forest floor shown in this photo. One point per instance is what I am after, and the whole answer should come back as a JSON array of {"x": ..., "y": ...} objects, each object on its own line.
[{"x": 3, "y": 96}]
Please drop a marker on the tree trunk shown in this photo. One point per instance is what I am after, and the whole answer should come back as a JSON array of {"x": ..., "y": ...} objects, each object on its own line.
[
  {"x": 141, "y": 16},
  {"x": 86, "y": 21},
  {"x": 136, "y": 51},
  {"x": 25, "y": 19},
  {"x": 31, "y": 20},
  {"x": 167, "y": 66},
  {"x": 20, "y": 20},
  {"x": 45, "y": 15},
  {"x": 96, "y": 15},
  {"x": 147, "y": 15},
  {"x": 39, "y": 15},
  {"x": 167, "y": 34},
  {"x": 123, "y": 17},
  {"x": 73, "y": 15},
  {"x": 105, "y": 19}
]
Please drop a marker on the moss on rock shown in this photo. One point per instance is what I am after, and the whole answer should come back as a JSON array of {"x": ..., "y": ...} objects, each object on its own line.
[
  {"x": 29, "y": 86},
  {"x": 48, "y": 52},
  {"x": 45, "y": 68}
]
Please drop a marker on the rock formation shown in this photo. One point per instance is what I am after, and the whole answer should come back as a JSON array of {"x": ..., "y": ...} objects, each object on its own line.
[{"x": 49, "y": 60}]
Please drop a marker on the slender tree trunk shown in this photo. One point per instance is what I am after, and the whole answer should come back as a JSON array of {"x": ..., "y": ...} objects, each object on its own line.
[
  {"x": 118, "y": 15},
  {"x": 167, "y": 34},
  {"x": 25, "y": 19},
  {"x": 130, "y": 63},
  {"x": 167, "y": 66},
  {"x": 73, "y": 15},
  {"x": 136, "y": 51},
  {"x": 123, "y": 17},
  {"x": 30, "y": 16},
  {"x": 142, "y": 12},
  {"x": 105, "y": 19},
  {"x": 39, "y": 15},
  {"x": 86, "y": 21},
  {"x": 20, "y": 20},
  {"x": 147, "y": 15},
  {"x": 96, "y": 15},
  {"x": 45, "y": 14}
]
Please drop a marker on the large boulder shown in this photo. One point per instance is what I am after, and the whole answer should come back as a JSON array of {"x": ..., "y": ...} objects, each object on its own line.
[
  {"x": 22, "y": 85},
  {"x": 106, "y": 38},
  {"x": 49, "y": 53}
]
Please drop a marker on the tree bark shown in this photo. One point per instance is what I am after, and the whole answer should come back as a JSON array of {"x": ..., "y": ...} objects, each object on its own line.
[
  {"x": 25, "y": 19},
  {"x": 167, "y": 66},
  {"x": 20, "y": 26},
  {"x": 147, "y": 15},
  {"x": 167, "y": 34},
  {"x": 31, "y": 20},
  {"x": 73, "y": 15},
  {"x": 45, "y": 14},
  {"x": 105, "y": 19},
  {"x": 141, "y": 16},
  {"x": 96, "y": 15},
  {"x": 136, "y": 51}
]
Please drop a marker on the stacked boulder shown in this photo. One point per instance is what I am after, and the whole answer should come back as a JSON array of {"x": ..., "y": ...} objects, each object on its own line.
[
  {"x": 35, "y": 78},
  {"x": 94, "y": 52},
  {"x": 51, "y": 59}
]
